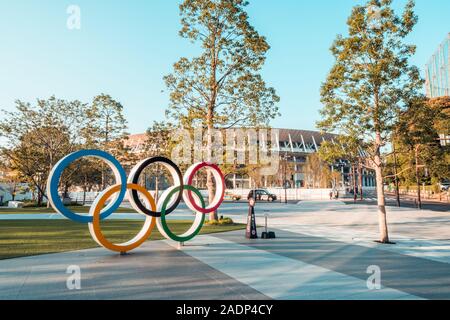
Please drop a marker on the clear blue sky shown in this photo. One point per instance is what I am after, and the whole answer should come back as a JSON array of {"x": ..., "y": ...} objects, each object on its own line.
[{"x": 124, "y": 48}]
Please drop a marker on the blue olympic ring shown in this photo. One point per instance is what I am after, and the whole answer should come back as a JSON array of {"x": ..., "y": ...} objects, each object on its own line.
[{"x": 55, "y": 176}]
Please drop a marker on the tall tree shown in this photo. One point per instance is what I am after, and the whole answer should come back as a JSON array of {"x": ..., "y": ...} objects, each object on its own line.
[
  {"x": 416, "y": 131},
  {"x": 349, "y": 148},
  {"x": 416, "y": 136},
  {"x": 222, "y": 87},
  {"x": 440, "y": 166},
  {"x": 85, "y": 173},
  {"x": 158, "y": 143},
  {"x": 11, "y": 181},
  {"x": 317, "y": 172},
  {"x": 107, "y": 129},
  {"x": 371, "y": 81},
  {"x": 441, "y": 107},
  {"x": 39, "y": 135}
]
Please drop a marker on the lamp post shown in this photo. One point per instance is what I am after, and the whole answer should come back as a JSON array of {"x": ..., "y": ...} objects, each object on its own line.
[
  {"x": 251, "y": 231},
  {"x": 285, "y": 177},
  {"x": 341, "y": 166}
]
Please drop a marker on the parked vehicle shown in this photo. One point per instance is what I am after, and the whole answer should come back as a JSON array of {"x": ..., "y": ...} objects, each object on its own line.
[
  {"x": 229, "y": 196},
  {"x": 261, "y": 194},
  {"x": 444, "y": 185}
]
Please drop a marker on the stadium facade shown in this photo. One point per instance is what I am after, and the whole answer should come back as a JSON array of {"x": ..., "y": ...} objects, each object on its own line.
[
  {"x": 294, "y": 148},
  {"x": 437, "y": 71}
]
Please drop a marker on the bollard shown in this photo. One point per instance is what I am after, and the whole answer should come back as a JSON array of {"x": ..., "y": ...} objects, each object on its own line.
[
  {"x": 267, "y": 234},
  {"x": 251, "y": 232}
]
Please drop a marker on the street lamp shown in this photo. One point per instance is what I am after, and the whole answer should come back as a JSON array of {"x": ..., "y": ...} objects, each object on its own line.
[{"x": 285, "y": 177}]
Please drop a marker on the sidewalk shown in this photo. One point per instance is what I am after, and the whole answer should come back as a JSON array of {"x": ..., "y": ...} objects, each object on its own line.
[
  {"x": 322, "y": 251},
  {"x": 211, "y": 267},
  {"x": 153, "y": 272}
]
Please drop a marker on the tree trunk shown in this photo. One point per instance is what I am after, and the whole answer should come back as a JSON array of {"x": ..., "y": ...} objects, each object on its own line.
[
  {"x": 156, "y": 188},
  {"x": 361, "y": 180},
  {"x": 103, "y": 176},
  {"x": 51, "y": 164},
  {"x": 66, "y": 191},
  {"x": 105, "y": 149},
  {"x": 355, "y": 195},
  {"x": 40, "y": 198},
  {"x": 85, "y": 190},
  {"x": 382, "y": 220},
  {"x": 397, "y": 188},
  {"x": 209, "y": 177},
  {"x": 419, "y": 198}
]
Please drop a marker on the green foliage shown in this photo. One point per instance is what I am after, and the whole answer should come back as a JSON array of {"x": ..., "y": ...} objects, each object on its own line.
[
  {"x": 317, "y": 172},
  {"x": 372, "y": 79},
  {"x": 39, "y": 135},
  {"x": 345, "y": 147},
  {"x": 416, "y": 125},
  {"x": 107, "y": 123},
  {"x": 418, "y": 129},
  {"x": 159, "y": 141},
  {"x": 221, "y": 87},
  {"x": 441, "y": 108},
  {"x": 107, "y": 127}
]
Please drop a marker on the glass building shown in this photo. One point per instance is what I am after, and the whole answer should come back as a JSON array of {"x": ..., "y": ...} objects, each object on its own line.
[{"x": 437, "y": 71}]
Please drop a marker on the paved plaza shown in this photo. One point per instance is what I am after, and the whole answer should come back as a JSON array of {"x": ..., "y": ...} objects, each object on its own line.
[{"x": 322, "y": 251}]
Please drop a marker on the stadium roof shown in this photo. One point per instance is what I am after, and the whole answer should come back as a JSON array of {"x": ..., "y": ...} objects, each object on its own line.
[{"x": 291, "y": 140}]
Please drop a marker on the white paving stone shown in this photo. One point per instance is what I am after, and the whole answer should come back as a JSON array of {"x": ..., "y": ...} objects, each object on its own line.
[{"x": 281, "y": 277}]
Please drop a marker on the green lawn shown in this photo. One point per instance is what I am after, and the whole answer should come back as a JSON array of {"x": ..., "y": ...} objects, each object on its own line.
[
  {"x": 78, "y": 209},
  {"x": 19, "y": 238}
]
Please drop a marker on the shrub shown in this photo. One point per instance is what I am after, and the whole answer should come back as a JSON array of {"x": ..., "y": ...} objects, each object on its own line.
[
  {"x": 220, "y": 222},
  {"x": 226, "y": 221},
  {"x": 212, "y": 223},
  {"x": 33, "y": 204}
]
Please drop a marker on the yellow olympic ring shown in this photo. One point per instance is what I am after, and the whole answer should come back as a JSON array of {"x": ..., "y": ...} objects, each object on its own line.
[{"x": 139, "y": 239}]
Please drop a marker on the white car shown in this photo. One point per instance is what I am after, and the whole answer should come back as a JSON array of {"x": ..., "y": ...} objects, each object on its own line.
[{"x": 445, "y": 185}]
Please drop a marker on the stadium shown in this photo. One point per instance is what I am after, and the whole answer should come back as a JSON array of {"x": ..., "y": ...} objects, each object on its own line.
[{"x": 294, "y": 147}]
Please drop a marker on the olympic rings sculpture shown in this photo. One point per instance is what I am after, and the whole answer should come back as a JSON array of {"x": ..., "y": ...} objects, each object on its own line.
[{"x": 155, "y": 213}]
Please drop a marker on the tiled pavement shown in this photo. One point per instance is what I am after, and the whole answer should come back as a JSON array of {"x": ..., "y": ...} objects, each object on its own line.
[{"x": 308, "y": 260}]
